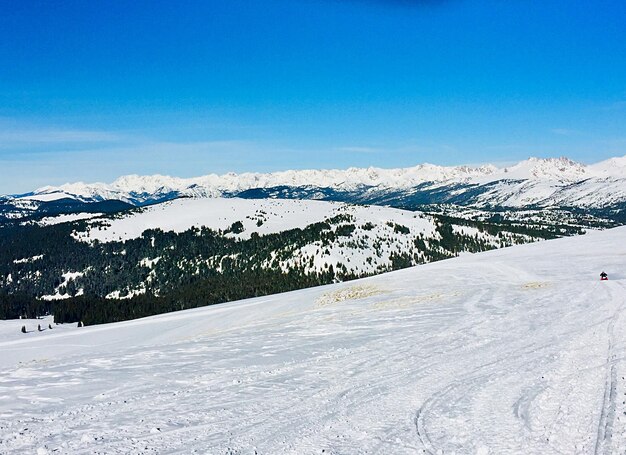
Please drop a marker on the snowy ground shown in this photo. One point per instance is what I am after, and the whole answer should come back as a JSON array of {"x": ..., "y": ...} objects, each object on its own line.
[
  {"x": 519, "y": 350},
  {"x": 12, "y": 329},
  {"x": 263, "y": 216}
]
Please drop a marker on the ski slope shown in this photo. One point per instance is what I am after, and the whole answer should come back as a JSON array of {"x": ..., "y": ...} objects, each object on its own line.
[{"x": 512, "y": 351}]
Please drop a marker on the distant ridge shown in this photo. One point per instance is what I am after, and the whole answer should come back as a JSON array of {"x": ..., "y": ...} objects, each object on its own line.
[
  {"x": 135, "y": 188},
  {"x": 535, "y": 182}
]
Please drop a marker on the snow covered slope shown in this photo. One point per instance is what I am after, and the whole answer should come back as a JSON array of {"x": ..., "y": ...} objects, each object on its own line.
[
  {"x": 187, "y": 244},
  {"x": 9, "y": 327},
  {"x": 513, "y": 351},
  {"x": 261, "y": 216}
]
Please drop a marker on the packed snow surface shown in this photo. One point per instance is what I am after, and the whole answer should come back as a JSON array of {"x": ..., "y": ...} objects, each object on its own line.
[
  {"x": 9, "y": 328},
  {"x": 513, "y": 351}
]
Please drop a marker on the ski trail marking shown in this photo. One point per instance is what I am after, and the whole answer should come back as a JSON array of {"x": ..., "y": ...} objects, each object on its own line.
[{"x": 607, "y": 415}]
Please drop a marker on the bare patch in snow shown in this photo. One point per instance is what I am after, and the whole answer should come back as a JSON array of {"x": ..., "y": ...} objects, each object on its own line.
[
  {"x": 536, "y": 285},
  {"x": 352, "y": 293},
  {"x": 405, "y": 302}
]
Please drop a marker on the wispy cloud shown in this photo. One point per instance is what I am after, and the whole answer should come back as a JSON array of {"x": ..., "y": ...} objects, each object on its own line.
[
  {"x": 507, "y": 147},
  {"x": 564, "y": 132},
  {"x": 138, "y": 151},
  {"x": 12, "y": 137},
  {"x": 358, "y": 149},
  {"x": 615, "y": 142},
  {"x": 30, "y": 169}
]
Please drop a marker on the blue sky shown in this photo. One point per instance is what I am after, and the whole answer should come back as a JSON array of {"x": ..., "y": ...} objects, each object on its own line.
[{"x": 93, "y": 90}]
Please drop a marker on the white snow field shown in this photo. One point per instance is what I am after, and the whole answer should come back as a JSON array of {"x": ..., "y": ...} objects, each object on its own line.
[
  {"x": 10, "y": 328},
  {"x": 276, "y": 215},
  {"x": 513, "y": 351}
]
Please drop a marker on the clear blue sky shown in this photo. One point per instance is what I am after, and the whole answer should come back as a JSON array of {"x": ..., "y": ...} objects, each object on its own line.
[{"x": 90, "y": 90}]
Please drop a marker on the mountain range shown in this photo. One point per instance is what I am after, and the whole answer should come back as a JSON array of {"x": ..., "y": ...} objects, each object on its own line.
[{"x": 534, "y": 183}]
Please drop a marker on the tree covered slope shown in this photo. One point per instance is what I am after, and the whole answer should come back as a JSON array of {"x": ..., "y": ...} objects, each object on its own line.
[{"x": 194, "y": 252}]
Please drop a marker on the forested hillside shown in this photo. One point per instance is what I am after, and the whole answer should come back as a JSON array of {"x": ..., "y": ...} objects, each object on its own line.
[{"x": 99, "y": 271}]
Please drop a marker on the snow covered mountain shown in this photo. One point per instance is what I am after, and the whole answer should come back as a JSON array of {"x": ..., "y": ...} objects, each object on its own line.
[
  {"x": 206, "y": 246},
  {"x": 143, "y": 189},
  {"x": 514, "y": 351},
  {"x": 534, "y": 182}
]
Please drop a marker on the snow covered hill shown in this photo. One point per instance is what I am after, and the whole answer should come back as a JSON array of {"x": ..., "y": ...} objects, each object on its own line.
[
  {"x": 158, "y": 250},
  {"x": 512, "y": 351},
  {"x": 260, "y": 216},
  {"x": 534, "y": 182}
]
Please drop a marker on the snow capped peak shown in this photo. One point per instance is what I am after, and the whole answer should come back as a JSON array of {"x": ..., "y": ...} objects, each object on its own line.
[
  {"x": 613, "y": 167},
  {"x": 136, "y": 182},
  {"x": 559, "y": 169},
  {"x": 128, "y": 186},
  {"x": 138, "y": 189}
]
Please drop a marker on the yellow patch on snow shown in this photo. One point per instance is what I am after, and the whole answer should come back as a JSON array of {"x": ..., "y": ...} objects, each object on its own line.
[
  {"x": 406, "y": 302},
  {"x": 536, "y": 285},
  {"x": 351, "y": 293}
]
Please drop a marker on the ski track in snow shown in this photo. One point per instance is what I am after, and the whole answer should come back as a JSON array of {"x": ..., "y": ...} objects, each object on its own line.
[{"x": 511, "y": 351}]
